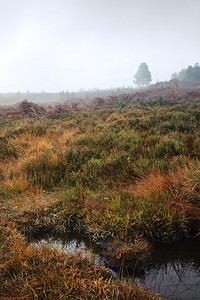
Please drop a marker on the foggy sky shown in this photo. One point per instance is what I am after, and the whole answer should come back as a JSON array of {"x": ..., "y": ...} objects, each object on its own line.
[{"x": 54, "y": 45}]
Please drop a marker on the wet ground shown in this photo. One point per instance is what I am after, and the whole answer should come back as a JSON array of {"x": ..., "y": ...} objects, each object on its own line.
[{"x": 174, "y": 271}]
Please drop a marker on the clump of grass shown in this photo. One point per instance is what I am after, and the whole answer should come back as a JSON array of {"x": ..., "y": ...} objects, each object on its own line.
[
  {"x": 36, "y": 129},
  {"x": 14, "y": 186},
  {"x": 45, "y": 171},
  {"x": 126, "y": 255},
  {"x": 129, "y": 251},
  {"x": 163, "y": 200},
  {"x": 7, "y": 150}
]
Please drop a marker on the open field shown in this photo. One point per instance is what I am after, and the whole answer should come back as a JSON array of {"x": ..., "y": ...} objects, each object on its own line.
[{"x": 124, "y": 170}]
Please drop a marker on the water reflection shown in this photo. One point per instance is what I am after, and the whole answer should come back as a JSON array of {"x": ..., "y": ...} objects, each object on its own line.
[
  {"x": 71, "y": 243},
  {"x": 174, "y": 272}
]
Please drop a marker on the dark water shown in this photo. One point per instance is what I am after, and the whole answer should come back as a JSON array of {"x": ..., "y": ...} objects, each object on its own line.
[{"x": 174, "y": 271}]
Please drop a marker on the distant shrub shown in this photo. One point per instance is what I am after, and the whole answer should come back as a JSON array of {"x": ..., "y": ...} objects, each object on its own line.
[
  {"x": 181, "y": 101},
  {"x": 142, "y": 102},
  {"x": 121, "y": 103},
  {"x": 188, "y": 104},
  {"x": 160, "y": 100}
]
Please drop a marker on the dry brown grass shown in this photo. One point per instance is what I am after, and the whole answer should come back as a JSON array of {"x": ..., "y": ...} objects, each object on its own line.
[
  {"x": 127, "y": 250},
  {"x": 31, "y": 273},
  {"x": 179, "y": 183},
  {"x": 130, "y": 173}
]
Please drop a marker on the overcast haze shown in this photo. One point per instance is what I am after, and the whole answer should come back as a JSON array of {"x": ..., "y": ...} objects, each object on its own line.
[{"x": 55, "y": 45}]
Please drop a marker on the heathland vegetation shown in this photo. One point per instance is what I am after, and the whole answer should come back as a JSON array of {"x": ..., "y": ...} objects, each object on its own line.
[{"x": 124, "y": 170}]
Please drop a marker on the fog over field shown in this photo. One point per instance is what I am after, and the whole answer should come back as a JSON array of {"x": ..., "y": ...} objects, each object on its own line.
[{"x": 55, "y": 45}]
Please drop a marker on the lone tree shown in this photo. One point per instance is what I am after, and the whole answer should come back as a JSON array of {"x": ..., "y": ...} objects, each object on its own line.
[{"x": 143, "y": 75}]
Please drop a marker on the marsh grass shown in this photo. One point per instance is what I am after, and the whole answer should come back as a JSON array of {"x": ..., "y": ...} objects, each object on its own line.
[
  {"x": 105, "y": 151},
  {"x": 127, "y": 174}
]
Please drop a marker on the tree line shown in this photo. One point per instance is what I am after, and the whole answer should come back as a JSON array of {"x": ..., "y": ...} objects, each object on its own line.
[{"x": 190, "y": 74}]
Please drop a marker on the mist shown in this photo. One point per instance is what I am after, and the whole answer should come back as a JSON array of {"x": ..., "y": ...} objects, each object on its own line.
[{"x": 60, "y": 45}]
